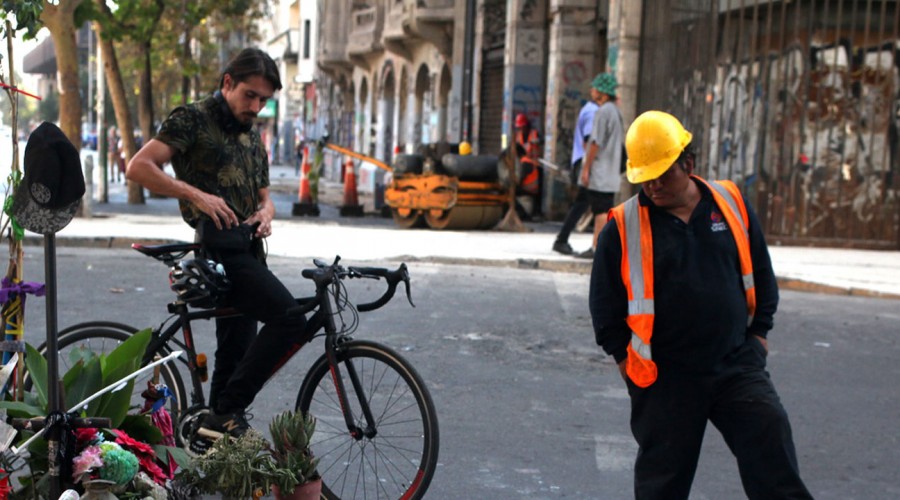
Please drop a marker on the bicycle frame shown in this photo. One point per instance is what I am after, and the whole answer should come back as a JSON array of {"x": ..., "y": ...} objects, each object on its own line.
[{"x": 323, "y": 317}]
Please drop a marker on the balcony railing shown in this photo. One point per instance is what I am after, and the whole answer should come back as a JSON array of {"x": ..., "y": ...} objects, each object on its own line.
[
  {"x": 365, "y": 31},
  {"x": 331, "y": 51},
  {"x": 395, "y": 18},
  {"x": 434, "y": 10}
]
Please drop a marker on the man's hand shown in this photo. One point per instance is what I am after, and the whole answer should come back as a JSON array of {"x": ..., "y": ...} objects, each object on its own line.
[
  {"x": 263, "y": 215},
  {"x": 589, "y": 155},
  {"x": 265, "y": 223},
  {"x": 216, "y": 208},
  {"x": 764, "y": 342},
  {"x": 622, "y": 370}
]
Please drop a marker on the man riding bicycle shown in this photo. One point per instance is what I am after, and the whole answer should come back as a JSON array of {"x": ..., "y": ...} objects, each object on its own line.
[{"x": 222, "y": 185}]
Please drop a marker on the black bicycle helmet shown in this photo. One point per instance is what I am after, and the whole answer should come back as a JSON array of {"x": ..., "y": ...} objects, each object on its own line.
[{"x": 199, "y": 282}]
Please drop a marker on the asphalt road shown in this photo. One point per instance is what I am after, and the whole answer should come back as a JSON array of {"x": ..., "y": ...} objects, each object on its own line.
[{"x": 529, "y": 406}]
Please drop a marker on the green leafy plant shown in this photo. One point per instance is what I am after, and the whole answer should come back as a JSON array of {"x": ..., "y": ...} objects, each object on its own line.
[
  {"x": 89, "y": 373},
  {"x": 233, "y": 467},
  {"x": 240, "y": 467},
  {"x": 292, "y": 458}
]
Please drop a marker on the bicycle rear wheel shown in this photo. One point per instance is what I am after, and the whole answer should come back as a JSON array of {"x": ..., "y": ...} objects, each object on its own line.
[
  {"x": 101, "y": 338},
  {"x": 399, "y": 458}
]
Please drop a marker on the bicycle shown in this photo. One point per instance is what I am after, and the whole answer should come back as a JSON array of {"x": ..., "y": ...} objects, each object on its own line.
[{"x": 377, "y": 428}]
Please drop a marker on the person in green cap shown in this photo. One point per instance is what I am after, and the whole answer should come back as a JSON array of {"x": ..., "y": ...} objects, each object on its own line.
[{"x": 600, "y": 176}]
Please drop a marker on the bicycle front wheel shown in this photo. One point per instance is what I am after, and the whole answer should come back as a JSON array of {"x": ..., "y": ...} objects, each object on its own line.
[
  {"x": 395, "y": 455},
  {"x": 102, "y": 338}
]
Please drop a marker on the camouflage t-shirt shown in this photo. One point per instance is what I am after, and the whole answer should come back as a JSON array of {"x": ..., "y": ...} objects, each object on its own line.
[{"x": 233, "y": 165}]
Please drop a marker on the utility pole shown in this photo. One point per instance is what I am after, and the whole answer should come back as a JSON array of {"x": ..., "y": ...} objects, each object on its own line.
[
  {"x": 102, "y": 145},
  {"x": 468, "y": 73}
]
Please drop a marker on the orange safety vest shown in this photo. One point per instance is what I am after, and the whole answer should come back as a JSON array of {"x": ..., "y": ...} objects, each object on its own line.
[
  {"x": 633, "y": 223},
  {"x": 530, "y": 179}
]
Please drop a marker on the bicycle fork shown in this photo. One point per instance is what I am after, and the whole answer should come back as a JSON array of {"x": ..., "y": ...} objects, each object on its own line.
[{"x": 356, "y": 431}]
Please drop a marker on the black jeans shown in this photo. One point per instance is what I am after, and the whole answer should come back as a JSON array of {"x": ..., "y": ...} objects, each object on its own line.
[
  {"x": 668, "y": 420},
  {"x": 245, "y": 360},
  {"x": 579, "y": 207}
]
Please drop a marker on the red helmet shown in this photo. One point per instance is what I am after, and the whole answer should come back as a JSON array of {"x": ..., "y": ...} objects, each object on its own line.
[{"x": 521, "y": 120}]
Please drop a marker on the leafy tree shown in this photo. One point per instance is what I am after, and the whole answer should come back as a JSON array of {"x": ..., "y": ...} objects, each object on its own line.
[
  {"x": 107, "y": 31},
  {"x": 59, "y": 19}
]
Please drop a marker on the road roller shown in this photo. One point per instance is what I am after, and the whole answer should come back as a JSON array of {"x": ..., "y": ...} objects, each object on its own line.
[
  {"x": 453, "y": 192},
  {"x": 438, "y": 188}
]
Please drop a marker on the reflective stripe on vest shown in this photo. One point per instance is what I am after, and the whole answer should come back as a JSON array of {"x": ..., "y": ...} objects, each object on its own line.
[
  {"x": 633, "y": 223},
  {"x": 727, "y": 194}
]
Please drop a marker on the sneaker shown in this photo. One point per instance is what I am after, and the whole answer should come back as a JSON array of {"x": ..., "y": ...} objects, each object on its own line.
[
  {"x": 215, "y": 425},
  {"x": 587, "y": 254},
  {"x": 563, "y": 247}
]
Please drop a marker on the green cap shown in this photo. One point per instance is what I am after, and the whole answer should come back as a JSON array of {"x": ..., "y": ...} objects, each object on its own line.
[{"x": 606, "y": 83}]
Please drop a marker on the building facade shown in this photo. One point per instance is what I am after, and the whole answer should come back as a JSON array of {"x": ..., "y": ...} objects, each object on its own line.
[
  {"x": 399, "y": 74},
  {"x": 796, "y": 101}
]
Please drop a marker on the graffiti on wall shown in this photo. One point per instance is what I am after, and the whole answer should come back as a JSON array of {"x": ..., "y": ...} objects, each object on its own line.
[
  {"x": 528, "y": 99},
  {"x": 575, "y": 79},
  {"x": 530, "y": 47},
  {"x": 818, "y": 126}
]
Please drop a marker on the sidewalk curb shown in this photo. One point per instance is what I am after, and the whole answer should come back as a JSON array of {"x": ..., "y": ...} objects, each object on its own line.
[
  {"x": 566, "y": 266},
  {"x": 574, "y": 267},
  {"x": 808, "y": 286},
  {"x": 97, "y": 242}
]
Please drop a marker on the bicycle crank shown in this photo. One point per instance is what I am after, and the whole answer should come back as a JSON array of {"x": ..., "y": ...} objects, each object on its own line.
[{"x": 194, "y": 444}]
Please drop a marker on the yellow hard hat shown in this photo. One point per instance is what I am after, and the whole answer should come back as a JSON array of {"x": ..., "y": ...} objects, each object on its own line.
[
  {"x": 465, "y": 148},
  {"x": 654, "y": 141}
]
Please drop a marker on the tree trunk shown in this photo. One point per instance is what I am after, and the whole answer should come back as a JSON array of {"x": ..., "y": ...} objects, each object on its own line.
[
  {"x": 145, "y": 94},
  {"x": 185, "y": 57},
  {"x": 60, "y": 21},
  {"x": 120, "y": 105}
]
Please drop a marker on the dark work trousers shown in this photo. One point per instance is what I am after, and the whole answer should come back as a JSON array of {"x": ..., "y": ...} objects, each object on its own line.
[
  {"x": 245, "y": 360},
  {"x": 578, "y": 208},
  {"x": 668, "y": 420}
]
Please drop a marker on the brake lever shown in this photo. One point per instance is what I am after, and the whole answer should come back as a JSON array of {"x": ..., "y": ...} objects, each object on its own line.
[{"x": 405, "y": 279}]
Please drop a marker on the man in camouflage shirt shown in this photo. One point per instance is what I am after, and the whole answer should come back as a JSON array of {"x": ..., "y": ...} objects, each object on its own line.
[{"x": 222, "y": 182}]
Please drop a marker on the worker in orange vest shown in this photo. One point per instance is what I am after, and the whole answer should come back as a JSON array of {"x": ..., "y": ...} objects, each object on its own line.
[
  {"x": 683, "y": 296},
  {"x": 528, "y": 149}
]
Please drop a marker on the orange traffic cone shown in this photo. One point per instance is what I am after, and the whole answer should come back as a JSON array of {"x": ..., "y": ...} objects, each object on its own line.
[
  {"x": 351, "y": 206},
  {"x": 305, "y": 204}
]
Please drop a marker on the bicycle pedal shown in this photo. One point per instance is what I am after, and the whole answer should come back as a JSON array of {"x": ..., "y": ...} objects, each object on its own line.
[{"x": 200, "y": 445}]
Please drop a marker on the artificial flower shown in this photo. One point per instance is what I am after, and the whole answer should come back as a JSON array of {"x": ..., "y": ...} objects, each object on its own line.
[
  {"x": 151, "y": 469},
  {"x": 129, "y": 443},
  {"x": 86, "y": 436},
  {"x": 119, "y": 465},
  {"x": 145, "y": 454},
  {"x": 85, "y": 462}
]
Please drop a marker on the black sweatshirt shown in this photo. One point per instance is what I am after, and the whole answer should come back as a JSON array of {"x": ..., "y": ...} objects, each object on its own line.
[{"x": 701, "y": 311}]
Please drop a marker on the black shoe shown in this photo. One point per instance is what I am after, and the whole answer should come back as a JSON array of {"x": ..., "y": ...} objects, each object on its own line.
[
  {"x": 587, "y": 254},
  {"x": 215, "y": 426},
  {"x": 563, "y": 247}
]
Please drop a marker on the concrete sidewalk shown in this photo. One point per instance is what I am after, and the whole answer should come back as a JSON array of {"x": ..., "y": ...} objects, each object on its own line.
[{"x": 374, "y": 238}]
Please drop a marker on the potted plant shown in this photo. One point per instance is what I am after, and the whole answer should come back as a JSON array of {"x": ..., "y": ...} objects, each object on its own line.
[
  {"x": 293, "y": 467},
  {"x": 233, "y": 468},
  {"x": 248, "y": 466}
]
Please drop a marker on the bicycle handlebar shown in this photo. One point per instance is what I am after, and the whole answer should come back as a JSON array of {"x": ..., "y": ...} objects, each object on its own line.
[
  {"x": 324, "y": 274},
  {"x": 392, "y": 277}
]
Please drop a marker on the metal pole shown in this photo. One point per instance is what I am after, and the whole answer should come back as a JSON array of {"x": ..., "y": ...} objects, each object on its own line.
[
  {"x": 53, "y": 403},
  {"x": 103, "y": 145},
  {"x": 468, "y": 69}
]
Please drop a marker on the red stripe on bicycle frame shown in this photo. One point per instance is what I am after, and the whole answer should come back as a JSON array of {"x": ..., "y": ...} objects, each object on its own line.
[
  {"x": 337, "y": 389},
  {"x": 414, "y": 486}
]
